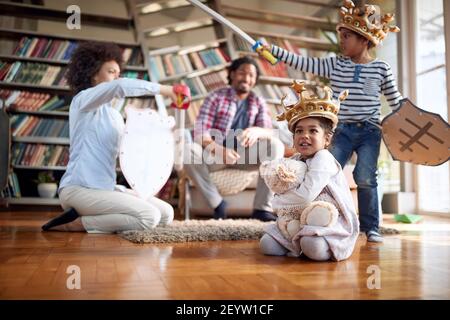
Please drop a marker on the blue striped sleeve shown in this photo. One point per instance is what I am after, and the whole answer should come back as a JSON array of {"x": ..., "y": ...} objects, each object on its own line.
[{"x": 318, "y": 66}]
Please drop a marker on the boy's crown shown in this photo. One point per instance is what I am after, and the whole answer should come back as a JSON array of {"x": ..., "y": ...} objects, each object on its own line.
[
  {"x": 311, "y": 106},
  {"x": 363, "y": 21}
]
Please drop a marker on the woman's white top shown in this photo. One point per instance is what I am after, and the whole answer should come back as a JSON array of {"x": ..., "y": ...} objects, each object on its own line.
[{"x": 96, "y": 128}]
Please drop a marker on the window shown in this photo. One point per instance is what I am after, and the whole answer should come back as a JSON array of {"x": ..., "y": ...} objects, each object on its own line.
[{"x": 433, "y": 182}]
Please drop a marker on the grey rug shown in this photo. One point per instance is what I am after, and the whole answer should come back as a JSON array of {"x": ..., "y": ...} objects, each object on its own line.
[
  {"x": 200, "y": 230},
  {"x": 388, "y": 231}
]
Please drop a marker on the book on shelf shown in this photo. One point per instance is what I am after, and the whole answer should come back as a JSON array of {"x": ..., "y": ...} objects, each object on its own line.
[
  {"x": 167, "y": 65},
  {"x": 34, "y": 101},
  {"x": 39, "y": 155},
  {"x": 132, "y": 56},
  {"x": 23, "y": 125},
  {"x": 32, "y": 73},
  {"x": 204, "y": 84},
  {"x": 62, "y": 50},
  {"x": 12, "y": 190}
]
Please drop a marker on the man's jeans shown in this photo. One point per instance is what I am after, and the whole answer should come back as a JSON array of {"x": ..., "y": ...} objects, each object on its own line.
[{"x": 363, "y": 138}]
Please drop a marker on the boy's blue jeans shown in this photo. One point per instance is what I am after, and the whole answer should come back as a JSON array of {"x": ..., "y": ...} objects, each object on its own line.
[{"x": 364, "y": 138}]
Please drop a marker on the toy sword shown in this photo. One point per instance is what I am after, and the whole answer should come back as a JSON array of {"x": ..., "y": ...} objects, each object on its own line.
[{"x": 256, "y": 45}]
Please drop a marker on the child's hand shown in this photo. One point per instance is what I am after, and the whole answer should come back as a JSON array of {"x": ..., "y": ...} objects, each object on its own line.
[
  {"x": 265, "y": 44},
  {"x": 264, "y": 50}
]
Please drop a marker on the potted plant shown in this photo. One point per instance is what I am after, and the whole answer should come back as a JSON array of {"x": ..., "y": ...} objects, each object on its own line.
[{"x": 47, "y": 186}]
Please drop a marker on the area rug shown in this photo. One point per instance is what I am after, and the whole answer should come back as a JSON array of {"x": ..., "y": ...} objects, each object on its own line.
[
  {"x": 388, "y": 231},
  {"x": 200, "y": 230}
]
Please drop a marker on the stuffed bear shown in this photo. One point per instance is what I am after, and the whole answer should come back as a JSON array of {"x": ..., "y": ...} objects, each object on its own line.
[{"x": 282, "y": 175}]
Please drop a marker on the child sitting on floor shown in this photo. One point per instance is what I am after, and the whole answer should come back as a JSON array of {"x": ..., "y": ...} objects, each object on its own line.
[{"x": 312, "y": 120}]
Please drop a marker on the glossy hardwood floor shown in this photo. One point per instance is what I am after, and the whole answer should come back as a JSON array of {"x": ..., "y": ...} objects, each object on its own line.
[{"x": 33, "y": 265}]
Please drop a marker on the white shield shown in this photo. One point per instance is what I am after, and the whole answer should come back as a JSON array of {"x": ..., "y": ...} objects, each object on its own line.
[{"x": 147, "y": 150}]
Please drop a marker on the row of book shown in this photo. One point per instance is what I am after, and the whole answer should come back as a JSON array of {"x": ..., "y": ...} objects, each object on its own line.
[
  {"x": 62, "y": 50},
  {"x": 23, "y": 125},
  {"x": 47, "y": 48},
  {"x": 162, "y": 66},
  {"x": 204, "y": 84},
  {"x": 39, "y": 155},
  {"x": 32, "y": 73},
  {"x": 12, "y": 190},
  {"x": 33, "y": 101}
]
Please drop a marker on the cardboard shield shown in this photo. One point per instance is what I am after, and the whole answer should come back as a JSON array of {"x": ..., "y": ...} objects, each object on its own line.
[
  {"x": 147, "y": 150},
  {"x": 414, "y": 135}
]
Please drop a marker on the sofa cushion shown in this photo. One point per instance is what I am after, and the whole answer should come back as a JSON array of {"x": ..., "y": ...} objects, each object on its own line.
[{"x": 232, "y": 181}]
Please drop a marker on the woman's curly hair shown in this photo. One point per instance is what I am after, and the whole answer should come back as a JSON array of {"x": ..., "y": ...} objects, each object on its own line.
[{"x": 87, "y": 60}]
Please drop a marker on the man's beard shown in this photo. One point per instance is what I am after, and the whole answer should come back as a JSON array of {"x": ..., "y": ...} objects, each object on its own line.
[{"x": 243, "y": 88}]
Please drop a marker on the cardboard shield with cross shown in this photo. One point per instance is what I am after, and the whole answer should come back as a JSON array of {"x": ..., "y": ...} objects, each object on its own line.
[{"x": 414, "y": 135}]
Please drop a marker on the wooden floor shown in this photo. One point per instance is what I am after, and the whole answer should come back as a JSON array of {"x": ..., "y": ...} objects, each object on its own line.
[{"x": 413, "y": 265}]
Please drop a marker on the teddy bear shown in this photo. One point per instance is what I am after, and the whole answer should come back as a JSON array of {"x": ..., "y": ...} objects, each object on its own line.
[{"x": 282, "y": 175}]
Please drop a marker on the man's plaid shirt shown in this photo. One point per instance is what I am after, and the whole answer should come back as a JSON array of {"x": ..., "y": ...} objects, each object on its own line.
[{"x": 219, "y": 108}]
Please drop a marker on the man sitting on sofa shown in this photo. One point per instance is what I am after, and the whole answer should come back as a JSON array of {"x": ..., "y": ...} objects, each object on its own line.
[{"x": 234, "y": 130}]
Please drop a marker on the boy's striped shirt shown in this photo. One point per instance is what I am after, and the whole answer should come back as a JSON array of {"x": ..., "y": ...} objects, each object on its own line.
[{"x": 365, "y": 82}]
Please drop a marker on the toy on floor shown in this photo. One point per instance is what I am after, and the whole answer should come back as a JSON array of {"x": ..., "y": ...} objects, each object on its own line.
[{"x": 407, "y": 218}]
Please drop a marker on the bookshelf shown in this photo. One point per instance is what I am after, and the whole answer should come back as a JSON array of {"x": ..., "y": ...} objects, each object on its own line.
[{"x": 33, "y": 89}]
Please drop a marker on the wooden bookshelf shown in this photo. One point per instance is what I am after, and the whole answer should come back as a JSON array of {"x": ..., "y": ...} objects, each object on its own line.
[
  {"x": 18, "y": 33},
  {"x": 44, "y": 168},
  {"x": 14, "y": 36},
  {"x": 178, "y": 27},
  {"x": 196, "y": 73},
  {"x": 44, "y": 140},
  {"x": 59, "y": 62},
  {"x": 34, "y": 87},
  {"x": 278, "y": 18},
  {"x": 304, "y": 42},
  {"x": 64, "y": 114},
  {"x": 41, "y": 12},
  {"x": 34, "y": 201}
]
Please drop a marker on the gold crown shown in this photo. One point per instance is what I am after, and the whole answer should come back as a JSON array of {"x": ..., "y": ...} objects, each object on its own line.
[
  {"x": 311, "y": 106},
  {"x": 363, "y": 21}
]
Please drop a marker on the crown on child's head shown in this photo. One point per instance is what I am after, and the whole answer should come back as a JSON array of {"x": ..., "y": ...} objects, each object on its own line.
[
  {"x": 363, "y": 21},
  {"x": 311, "y": 106}
]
